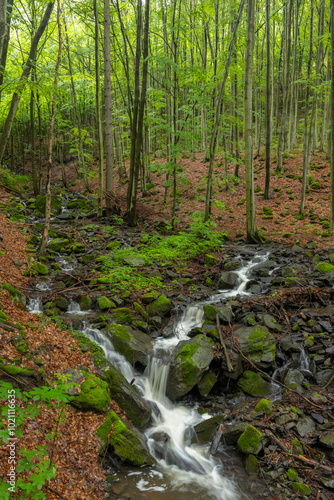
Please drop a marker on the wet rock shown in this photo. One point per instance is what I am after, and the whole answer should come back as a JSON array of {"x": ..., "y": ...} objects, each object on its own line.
[
  {"x": 258, "y": 344},
  {"x": 133, "y": 344},
  {"x": 85, "y": 303},
  {"x": 206, "y": 430},
  {"x": 232, "y": 432},
  {"x": 93, "y": 393},
  {"x": 294, "y": 379},
  {"x": 305, "y": 426},
  {"x": 228, "y": 280},
  {"x": 104, "y": 303},
  {"x": 249, "y": 441},
  {"x": 232, "y": 265},
  {"x": 160, "y": 307},
  {"x": 252, "y": 464},
  {"x": 192, "y": 360},
  {"x": 61, "y": 303}
]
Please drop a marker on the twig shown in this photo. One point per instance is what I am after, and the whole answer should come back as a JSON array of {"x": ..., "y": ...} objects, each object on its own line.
[
  {"x": 276, "y": 440},
  {"x": 329, "y": 381},
  {"x": 228, "y": 361},
  {"x": 309, "y": 462}
]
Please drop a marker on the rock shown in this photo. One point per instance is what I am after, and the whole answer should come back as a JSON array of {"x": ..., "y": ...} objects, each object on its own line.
[
  {"x": 224, "y": 313},
  {"x": 123, "y": 315},
  {"x": 104, "y": 303},
  {"x": 257, "y": 344},
  {"x": 149, "y": 297},
  {"x": 133, "y": 344},
  {"x": 264, "y": 405},
  {"x": 15, "y": 294},
  {"x": 94, "y": 394},
  {"x": 58, "y": 244},
  {"x": 252, "y": 383},
  {"x": 327, "y": 482},
  {"x": 55, "y": 204},
  {"x": 140, "y": 310},
  {"x": 305, "y": 426},
  {"x": 252, "y": 464},
  {"x": 40, "y": 268},
  {"x": 85, "y": 303},
  {"x": 232, "y": 265},
  {"x": 270, "y": 322},
  {"x": 134, "y": 261},
  {"x": 125, "y": 440},
  {"x": 318, "y": 418},
  {"x": 20, "y": 343},
  {"x": 294, "y": 379},
  {"x": 228, "y": 280},
  {"x": 323, "y": 376},
  {"x": 206, "y": 430},
  {"x": 233, "y": 432},
  {"x": 127, "y": 397},
  {"x": 206, "y": 383},
  {"x": 301, "y": 488},
  {"x": 112, "y": 245},
  {"x": 160, "y": 307},
  {"x": 327, "y": 440},
  {"x": 77, "y": 247},
  {"x": 192, "y": 360},
  {"x": 324, "y": 267},
  {"x": 250, "y": 440},
  {"x": 80, "y": 204},
  {"x": 62, "y": 303},
  {"x": 211, "y": 260}
]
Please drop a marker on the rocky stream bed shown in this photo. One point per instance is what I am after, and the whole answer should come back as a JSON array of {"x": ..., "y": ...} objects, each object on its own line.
[{"x": 250, "y": 343}]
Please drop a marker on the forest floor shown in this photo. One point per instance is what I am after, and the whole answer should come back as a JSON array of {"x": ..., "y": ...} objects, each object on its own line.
[{"x": 277, "y": 218}]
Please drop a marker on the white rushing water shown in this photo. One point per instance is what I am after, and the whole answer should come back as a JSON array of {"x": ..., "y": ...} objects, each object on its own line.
[{"x": 35, "y": 306}]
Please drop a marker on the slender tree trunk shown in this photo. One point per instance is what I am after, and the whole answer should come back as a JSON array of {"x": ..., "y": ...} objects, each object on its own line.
[
  {"x": 252, "y": 232},
  {"x": 98, "y": 110},
  {"x": 46, "y": 228},
  {"x": 108, "y": 110},
  {"x": 23, "y": 79},
  {"x": 5, "y": 40},
  {"x": 268, "y": 104},
  {"x": 332, "y": 116}
]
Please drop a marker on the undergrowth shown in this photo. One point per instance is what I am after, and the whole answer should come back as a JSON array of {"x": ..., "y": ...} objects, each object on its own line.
[{"x": 15, "y": 182}]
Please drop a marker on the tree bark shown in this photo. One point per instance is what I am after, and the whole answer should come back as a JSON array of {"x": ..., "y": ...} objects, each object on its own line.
[
  {"x": 98, "y": 111},
  {"x": 268, "y": 104},
  {"x": 108, "y": 110}
]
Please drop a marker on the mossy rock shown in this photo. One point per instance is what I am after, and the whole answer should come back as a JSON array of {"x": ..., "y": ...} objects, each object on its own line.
[
  {"x": 205, "y": 430},
  {"x": 58, "y": 244},
  {"x": 159, "y": 307},
  {"x": 20, "y": 344},
  {"x": 85, "y": 303},
  {"x": 113, "y": 245},
  {"x": 210, "y": 260},
  {"x": 126, "y": 442},
  {"x": 324, "y": 267},
  {"x": 61, "y": 303},
  {"x": 252, "y": 464},
  {"x": 135, "y": 345},
  {"x": 149, "y": 297},
  {"x": 104, "y": 303},
  {"x": 252, "y": 383},
  {"x": 206, "y": 383},
  {"x": 301, "y": 488},
  {"x": 258, "y": 344},
  {"x": 264, "y": 405},
  {"x": 77, "y": 204},
  {"x": 250, "y": 440},
  {"x": 140, "y": 310},
  {"x": 55, "y": 204},
  {"x": 123, "y": 315},
  {"x": 16, "y": 294},
  {"x": 94, "y": 394},
  {"x": 77, "y": 247},
  {"x": 292, "y": 474},
  {"x": 40, "y": 268}
]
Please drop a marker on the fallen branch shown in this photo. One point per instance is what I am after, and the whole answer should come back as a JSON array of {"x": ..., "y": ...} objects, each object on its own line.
[{"x": 309, "y": 462}]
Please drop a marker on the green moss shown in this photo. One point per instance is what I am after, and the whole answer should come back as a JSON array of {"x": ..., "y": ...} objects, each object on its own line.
[
  {"x": 324, "y": 267},
  {"x": 13, "y": 292},
  {"x": 257, "y": 337},
  {"x": 210, "y": 312},
  {"x": 252, "y": 383},
  {"x": 104, "y": 303},
  {"x": 20, "y": 344},
  {"x": 85, "y": 303},
  {"x": 264, "y": 405},
  {"x": 3, "y": 315},
  {"x": 94, "y": 394},
  {"x": 292, "y": 474},
  {"x": 250, "y": 439},
  {"x": 206, "y": 383},
  {"x": 302, "y": 488},
  {"x": 16, "y": 370},
  {"x": 123, "y": 315},
  {"x": 159, "y": 307},
  {"x": 40, "y": 268},
  {"x": 252, "y": 464},
  {"x": 120, "y": 331},
  {"x": 140, "y": 310}
]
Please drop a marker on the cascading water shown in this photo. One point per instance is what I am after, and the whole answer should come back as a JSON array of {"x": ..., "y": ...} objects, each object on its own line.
[{"x": 35, "y": 305}]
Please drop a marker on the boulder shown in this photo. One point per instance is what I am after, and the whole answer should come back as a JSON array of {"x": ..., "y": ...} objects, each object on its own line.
[
  {"x": 93, "y": 393},
  {"x": 228, "y": 280},
  {"x": 57, "y": 244},
  {"x": 293, "y": 379},
  {"x": 192, "y": 360},
  {"x": 233, "y": 432},
  {"x": 40, "y": 268},
  {"x": 85, "y": 303},
  {"x": 123, "y": 315},
  {"x": 257, "y": 344},
  {"x": 205, "y": 430},
  {"x": 135, "y": 345},
  {"x": 250, "y": 440},
  {"x": 104, "y": 303},
  {"x": 55, "y": 204},
  {"x": 305, "y": 426},
  {"x": 252, "y": 383},
  {"x": 159, "y": 307},
  {"x": 127, "y": 442}
]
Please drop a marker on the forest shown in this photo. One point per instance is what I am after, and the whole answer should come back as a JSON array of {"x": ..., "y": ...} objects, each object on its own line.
[{"x": 166, "y": 249}]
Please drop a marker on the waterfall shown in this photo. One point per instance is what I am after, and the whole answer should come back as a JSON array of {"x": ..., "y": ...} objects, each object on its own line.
[{"x": 35, "y": 305}]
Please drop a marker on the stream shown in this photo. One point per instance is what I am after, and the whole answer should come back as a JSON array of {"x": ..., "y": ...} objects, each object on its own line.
[{"x": 184, "y": 470}]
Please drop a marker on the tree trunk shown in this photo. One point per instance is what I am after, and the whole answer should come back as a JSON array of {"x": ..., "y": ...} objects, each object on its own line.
[
  {"x": 4, "y": 41},
  {"x": 23, "y": 79},
  {"x": 268, "y": 104},
  {"x": 108, "y": 111},
  {"x": 332, "y": 117},
  {"x": 98, "y": 110}
]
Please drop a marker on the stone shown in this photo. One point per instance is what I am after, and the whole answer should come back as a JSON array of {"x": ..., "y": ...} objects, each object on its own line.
[
  {"x": 123, "y": 315},
  {"x": 206, "y": 383},
  {"x": 160, "y": 307},
  {"x": 206, "y": 429},
  {"x": 104, "y": 303},
  {"x": 61, "y": 303},
  {"x": 20, "y": 344},
  {"x": 55, "y": 204},
  {"x": 192, "y": 359},
  {"x": 258, "y": 344},
  {"x": 327, "y": 440},
  {"x": 264, "y": 405},
  {"x": 40, "y": 268},
  {"x": 305, "y": 426},
  {"x": 233, "y": 432},
  {"x": 58, "y": 244},
  {"x": 114, "y": 245},
  {"x": 232, "y": 265},
  {"x": 125, "y": 440},
  {"x": 324, "y": 267},
  {"x": 250, "y": 440},
  {"x": 211, "y": 260},
  {"x": 294, "y": 379},
  {"x": 270, "y": 322},
  {"x": 302, "y": 488},
  {"x": 94, "y": 392},
  {"x": 252, "y": 464},
  {"x": 15, "y": 294},
  {"x": 85, "y": 303},
  {"x": 323, "y": 376},
  {"x": 228, "y": 280},
  {"x": 135, "y": 345},
  {"x": 252, "y": 383},
  {"x": 134, "y": 261}
]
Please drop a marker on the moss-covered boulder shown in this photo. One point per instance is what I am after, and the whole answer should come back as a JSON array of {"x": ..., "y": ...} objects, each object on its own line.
[
  {"x": 104, "y": 303},
  {"x": 324, "y": 267},
  {"x": 149, "y": 297},
  {"x": 16, "y": 294},
  {"x": 258, "y": 344},
  {"x": 77, "y": 204},
  {"x": 192, "y": 360},
  {"x": 125, "y": 440},
  {"x": 252, "y": 383},
  {"x": 206, "y": 383},
  {"x": 211, "y": 311},
  {"x": 302, "y": 488},
  {"x": 93, "y": 393},
  {"x": 77, "y": 247},
  {"x": 40, "y": 268},
  {"x": 205, "y": 431},
  {"x": 127, "y": 397},
  {"x": 58, "y": 244},
  {"x": 85, "y": 303},
  {"x": 55, "y": 204},
  {"x": 252, "y": 464},
  {"x": 250, "y": 440},
  {"x": 61, "y": 303},
  {"x": 20, "y": 343},
  {"x": 211, "y": 260},
  {"x": 123, "y": 315},
  {"x": 135, "y": 345},
  {"x": 264, "y": 405},
  {"x": 159, "y": 307}
]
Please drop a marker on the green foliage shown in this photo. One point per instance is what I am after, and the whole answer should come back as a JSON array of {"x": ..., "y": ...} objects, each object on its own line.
[
  {"x": 35, "y": 462},
  {"x": 13, "y": 181}
]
